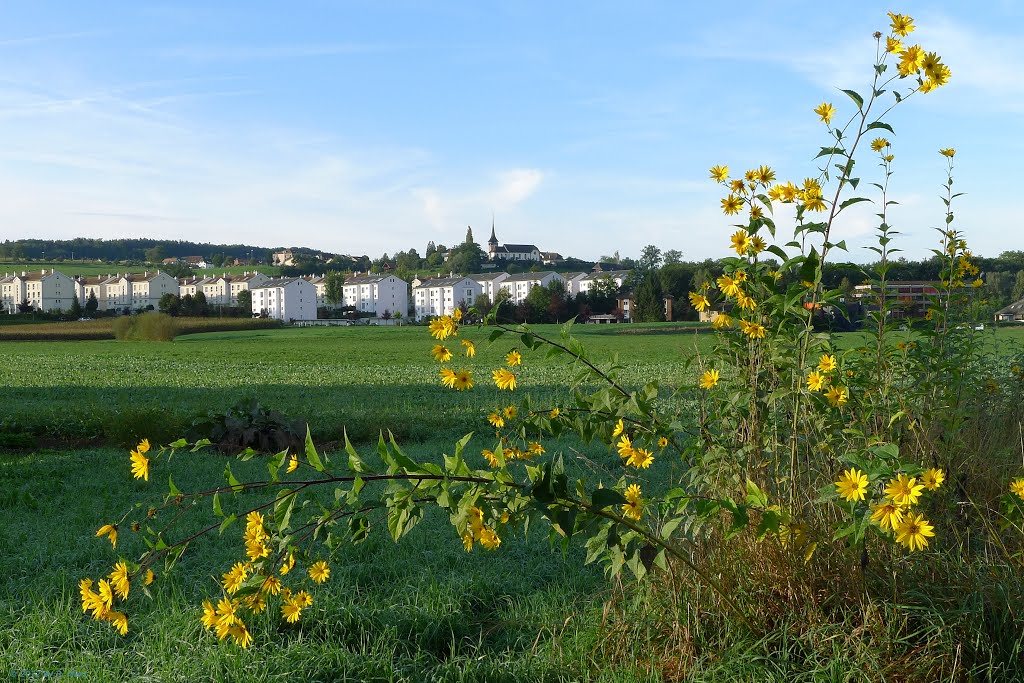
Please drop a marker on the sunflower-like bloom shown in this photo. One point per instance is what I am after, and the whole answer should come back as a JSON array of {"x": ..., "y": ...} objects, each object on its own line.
[
  {"x": 765, "y": 174},
  {"x": 271, "y": 586},
  {"x": 732, "y": 204},
  {"x": 241, "y": 634},
  {"x": 827, "y": 363},
  {"x": 878, "y": 144},
  {"x": 110, "y": 531},
  {"x": 497, "y": 421},
  {"x": 209, "y": 617},
  {"x": 468, "y": 348},
  {"x": 719, "y": 173},
  {"x": 738, "y": 186},
  {"x": 443, "y": 327},
  {"x": 852, "y": 485},
  {"x": 640, "y": 458},
  {"x": 441, "y": 353},
  {"x": 894, "y": 45},
  {"x": 757, "y": 245},
  {"x": 489, "y": 539},
  {"x": 699, "y": 301},
  {"x": 448, "y": 377},
  {"x": 709, "y": 379},
  {"x": 904, "y": 490},
  {"x": 119, "y": 580},
  {"x": 838, "y": 396},
  {"x": 816, "y": 381},
  {"x": 746, "y": 302},
  {"x": 740, "y": 242},
  {"x": 554, "y": 413},
  {"x": 914, "y": 532},
  {"x": 826, "y": 111},
  {"x": 722, "y": 320},
  {"x": 118, "y": 620},
  {"x": 503, "y": 379},
  {"x": 510, "y": 412},
  {"x": 536, "y": 448},
  {"x": 234, "y": 577},
  {"x": 1017, "y": 487},
  {"x": 619, "y": 428},
  {"x": 291, "y": 610},
  {"x": 140, "y": 465},
  {"x": 887, "y": 514},
  {"x": 752, "y": 330},
  {"x": 293, "y": 463},
  {"x": 490, "y": 457},
  {"x": 902, "y": 24},
  {"x": 911, "y": 60},
  {"x": 149, "y": 577},
  {"x": 625, "y": 447},
  {"x": 948, "y": 152},
  {"x": 633, "y": 507},
  {"x": 287, "y": 565},
  {"x": 513, "y": 358},
  {"x": 728, "y": 286},
  {"x": 463, "y": 380},
  {"x": 91, "y": 600},
  {"x": 320, "y": 572}
]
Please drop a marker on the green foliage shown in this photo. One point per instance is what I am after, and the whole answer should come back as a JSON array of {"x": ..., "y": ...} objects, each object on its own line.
[
  {"x": 249, "y": 425},
  {"x": 150, "y": 326}
]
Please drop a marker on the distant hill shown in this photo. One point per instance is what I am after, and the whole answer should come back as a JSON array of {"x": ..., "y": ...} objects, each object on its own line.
[{"x": 141, "y": 250}]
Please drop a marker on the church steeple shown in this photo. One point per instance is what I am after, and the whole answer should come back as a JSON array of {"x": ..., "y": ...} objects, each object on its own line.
[{"x": 493, "y": 240}]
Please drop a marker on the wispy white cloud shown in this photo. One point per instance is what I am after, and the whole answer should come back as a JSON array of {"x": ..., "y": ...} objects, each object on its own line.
[
  {"x": 245, "y": 53},
  {"x": 515, "y": 186}
]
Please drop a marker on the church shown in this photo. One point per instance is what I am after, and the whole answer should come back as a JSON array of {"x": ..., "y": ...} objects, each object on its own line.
[{"x": 511, "y": 252}]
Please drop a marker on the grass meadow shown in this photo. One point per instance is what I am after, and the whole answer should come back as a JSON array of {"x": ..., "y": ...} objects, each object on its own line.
[{"x": 424, "y": 610}]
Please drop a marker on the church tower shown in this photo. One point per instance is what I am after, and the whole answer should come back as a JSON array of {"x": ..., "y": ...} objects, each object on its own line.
[{"x": 492, "y": 244}]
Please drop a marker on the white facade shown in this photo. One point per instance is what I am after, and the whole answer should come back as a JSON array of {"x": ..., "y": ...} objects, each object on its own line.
[
  {"x": 572, "y": 283},
  {"x": 147, "y": 288},
  {"x": 244, "y": 282},
  {"x": 442, "y": 296},
  {"x": 617, "y": 276},
  {"x": 376, "y": 294},
  {"x": 43, "y": 290},
  {"x": 490, "y": 283},
  {"x": 519, "y": 286},
  {"x": 285, "y": 299},
  {"x": 191, "y": 286}
]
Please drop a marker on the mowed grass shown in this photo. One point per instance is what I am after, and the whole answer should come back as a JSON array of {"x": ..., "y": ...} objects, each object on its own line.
[
  {"x": 363, "y": 379},
  {"x": 421, "y": 610}
]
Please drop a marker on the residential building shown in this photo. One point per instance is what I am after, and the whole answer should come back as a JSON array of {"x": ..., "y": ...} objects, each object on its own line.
[
  {"x": 376, "y": 293},
  {"x": 147, "y": 288},
  {"x": 244, "y": 282},
  {"x": 586, "y": 283},
  {"x": 490, "y": 283},
  {"x": 44, "y": 290},
  {"x": 319, "y": 283},
  {"x": 286, "y": 299},
  {"x": 1014, "y": 313},
  {"x": 572, "y": 283},
  {"x": 442, "y": 296},
  {"x": 191, "y": 286},
  {"x": 511, "y": 252},
  {"x": 283, "y": 258},
  {"x": 906, "y": 299},
  {"x": 519, "y": 286}
]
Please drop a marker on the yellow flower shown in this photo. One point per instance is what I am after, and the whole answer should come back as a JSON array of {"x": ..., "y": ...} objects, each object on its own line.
[
  {"x": 241, "y": 634},
  {"x": 513, "y": 358},
  {"x": 448, "y": 377},
  {"x": 978, "y": 282},
  {"x": 826, "y": 111},
  {"x": 91, "y": 601},
  {"x": 320, "y": 572},
  {"x": 441, "y": 353},
  {"x": 893, "y": 46},
  {"x": 536, "y": 448},
  {"x": 633, "y": 507},
  {"x": 489, "y": 539},
  {"x": 497, "y": 421},
  {"x": 149, "y": 577},
  {"x": 234, "y": 577},
  {"x": 816, "y": 381},
  {"x": 457, "y": 315},
  {"x": 728, "y": 286},
  {"x": 902, "y": 24},
  {"x": 732, "y": 205},
  {"x": 764, "y": 174},
  {"x": 504, "y": 379},
  {"x": 119, "y": 580},
  {"x": 948, "y": 152},
  {"x": 254, "y": 520},
  {"x": 888, "y": 514},
  {"x": 625, "y": 447},
  {"x": 106, "y": 596},
  {"x": 463, "y": 380},
  {"x": 752, "y": 330},
  {"x": 554, "y": 413},
  {"x": 293, "y": 463},
  {"x": 709, "y": 379},
  {"x": 469, "y": 348},
  {"x": 740, "y": 242},
  {"x": 838, "y": 396},
  {"x": 510, "y": 412},
  {"x": 827, "y": 363},
  {"x": 619, "y": 428},
  {"x": 757, "y": 244},
  {"x": 110, "y": 531},
  {"x": 904, "y": 491},
  {"x": 662, "y": 441},
  {"x": 738, "y": 186},
  {"x": 209, "y": 617},
  {"x": 271, "y": 585},
  {"x": 878, "y": 144},
  {"x": 291, "y": 611},
  {"x": 442, "y": 328},
  {"x": 721, "y": 320},
  {"x": 143, "y": 446},
  {"x": 719, "y": 173},
  {"x": 910, "y": 60},
  {"x": 140, "y": 465},
  {"x": 914, "y": 531},
  {"x": 746, "y": 302},
  {"x": 490, "y": 457},
  {"x": 699, "y": 301},
  {"x": 933, "y": 478},
  {"x": 287, "y": 565},
  {"x": 1017, "y": 487},
  {"x": 640, "y": 457},
  {"x": 852, "y": 485},
  {"x": 815, "y": 204},
  {"x": 119, "y": 621}
]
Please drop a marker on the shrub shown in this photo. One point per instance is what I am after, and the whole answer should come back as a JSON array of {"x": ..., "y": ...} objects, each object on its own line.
[{"x": 150, "y": 326}]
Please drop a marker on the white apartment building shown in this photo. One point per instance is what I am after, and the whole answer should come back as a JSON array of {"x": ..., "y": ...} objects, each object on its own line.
[
  {"x": 490, "y": 283},
  {"x": 43, "y": 290},
  {"x": 286, "y": 299},
  {"x": 191, "y": 286},
  {"x": 572, "y": 283},
  {"x": 244, "y": 282},
  {"x": 520, "y": 285},
  {"x": 617, "y": 276},
  {"x": 319, "y": 283},
  {"x": 376, "y": 293},
  {"x": 442, "y": 296},
  {"x": 147, "y": 288}
]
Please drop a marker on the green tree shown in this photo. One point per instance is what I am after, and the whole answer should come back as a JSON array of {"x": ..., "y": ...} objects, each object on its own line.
[
  {"x": 650, "y": 259},
  {"x": 245, "y": 302},
  {"x": 76, "y": 308},
  {"x": 672, "y": 257},
  {"x": 91, "y": 304},
  {"x": 1018, "y": 287},
  {"x": 170, "y": 304},
  {"x": 157, "y": 254},
  {"x": 650, "y": 306},
  {"x": 334, "y": 288}
]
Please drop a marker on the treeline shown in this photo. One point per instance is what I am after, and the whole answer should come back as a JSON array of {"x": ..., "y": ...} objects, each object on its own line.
[{"x": 141, "y": 250}]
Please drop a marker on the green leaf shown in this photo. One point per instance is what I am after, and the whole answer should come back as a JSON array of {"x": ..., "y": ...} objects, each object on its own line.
[
  {"x": 853, "y": 200},
  {"x": 229, "y": 477},
  {"x": 283, "y": 509},
  {"x": 311, "y": 455},
  {"x": 217, "y": 510},
  {"x": 355, "y": 463},
  {"x": 855, "y": 97},
  {"x": 603, "y": 498},
  {"x": 226, "y": 523},
  {"x": 755, "y": 496},
  {"x": 831, "y": 151},
  {"x": 171, "y": 488},
  {"x": 495, "y": 334},
  {"x": 180, "y": 443},
  {"x": 880, "y": 124}
]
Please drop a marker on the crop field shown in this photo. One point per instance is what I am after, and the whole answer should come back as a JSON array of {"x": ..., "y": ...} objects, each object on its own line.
[{"x": 361, "y": 379}]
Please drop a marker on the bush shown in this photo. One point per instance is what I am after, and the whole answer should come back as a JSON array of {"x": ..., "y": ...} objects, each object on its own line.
[{"x": 145, "y": 327}]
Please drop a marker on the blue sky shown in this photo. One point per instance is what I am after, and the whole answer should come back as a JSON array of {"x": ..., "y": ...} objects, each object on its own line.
[{"x": 585, "y": 127}]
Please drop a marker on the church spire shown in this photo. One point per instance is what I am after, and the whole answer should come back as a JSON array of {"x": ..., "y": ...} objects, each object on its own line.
[{"x": 493, "y": 240}]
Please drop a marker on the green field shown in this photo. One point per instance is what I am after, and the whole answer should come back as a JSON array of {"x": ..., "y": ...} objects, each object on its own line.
[{"x": 361, "y": 378}]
